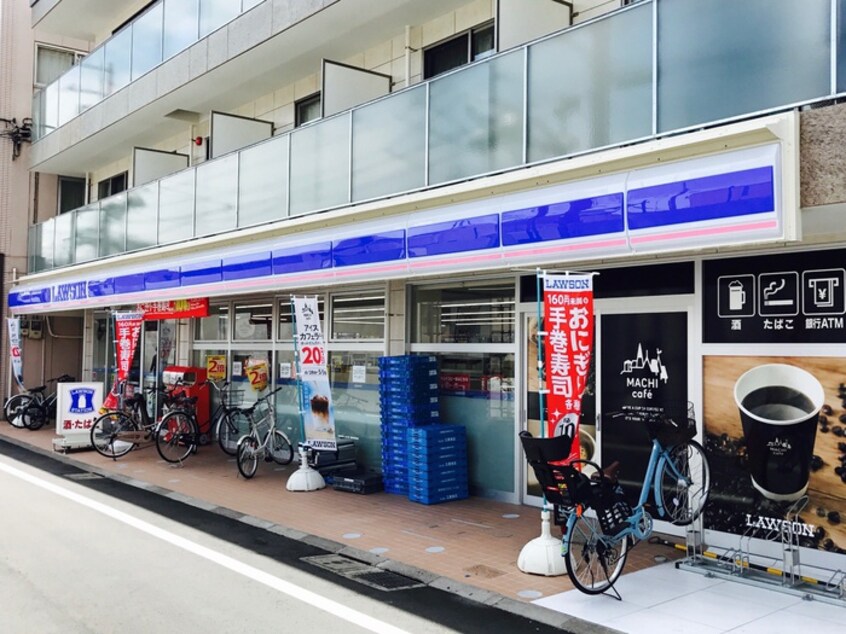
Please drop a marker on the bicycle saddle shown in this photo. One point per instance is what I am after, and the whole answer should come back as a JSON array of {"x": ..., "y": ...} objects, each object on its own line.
[{"x": 39, "y": 389}]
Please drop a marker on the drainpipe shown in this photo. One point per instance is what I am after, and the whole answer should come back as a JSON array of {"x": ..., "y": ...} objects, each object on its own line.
[{"x": 407, "y": 55}]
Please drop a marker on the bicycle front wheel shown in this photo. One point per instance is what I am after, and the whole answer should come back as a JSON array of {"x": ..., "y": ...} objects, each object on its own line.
[
  {"x": 176, "y": 437},
  {"x": 108, "y": 433},
  {"x": 280, "y": 448},
  {"x": 594, "y": 561},
  {"x": 14, "y": 409},
  {"x": 248, "y": 450},
  {"x": 230, "y": 428},
  {"x": 34, "y": 416},
  {"x": 685, "y": 481}
]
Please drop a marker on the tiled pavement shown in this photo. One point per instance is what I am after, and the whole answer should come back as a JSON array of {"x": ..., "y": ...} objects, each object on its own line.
[{"x": 474, "y": 542}]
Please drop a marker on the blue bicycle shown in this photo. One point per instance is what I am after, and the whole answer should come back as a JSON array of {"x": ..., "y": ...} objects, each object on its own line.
[{"x": 595, "y": 544}]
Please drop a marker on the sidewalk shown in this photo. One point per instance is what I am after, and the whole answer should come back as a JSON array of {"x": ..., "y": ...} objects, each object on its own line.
[{"x": 472, "y": 544}]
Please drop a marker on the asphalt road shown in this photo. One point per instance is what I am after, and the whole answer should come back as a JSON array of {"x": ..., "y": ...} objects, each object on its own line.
[{"x": 83, "y": 553}]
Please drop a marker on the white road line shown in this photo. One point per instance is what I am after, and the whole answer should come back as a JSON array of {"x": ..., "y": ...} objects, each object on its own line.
[{"x": 306, "y": 596}]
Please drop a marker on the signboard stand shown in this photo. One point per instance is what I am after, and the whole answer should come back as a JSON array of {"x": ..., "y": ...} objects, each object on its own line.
[
  {"x": 77, "y": 408},
  {"x": 542, "y": 555}
]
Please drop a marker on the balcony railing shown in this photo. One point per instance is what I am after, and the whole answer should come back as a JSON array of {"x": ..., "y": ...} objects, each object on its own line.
[
  {"x": 162, "y": 31},
  {"x": 604, "y": 83}
]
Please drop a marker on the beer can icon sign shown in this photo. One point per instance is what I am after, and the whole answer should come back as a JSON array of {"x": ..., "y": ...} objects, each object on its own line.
[{"x": 737, "y": 295}]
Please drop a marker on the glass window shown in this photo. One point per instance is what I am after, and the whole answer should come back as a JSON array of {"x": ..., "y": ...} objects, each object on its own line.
[
  {"x": 215, "y": 13},
  {"x": 286, "y": 320},
  {"x": 358, "y": 316},
  {"x": 215, "y": 327},
  {"x": 463, "y": 313},
  {"x": 147, "y": 41},
  {"x": 472, "y": 45},
  {"x": 307, "y": 109},
  {"x": 181, "y": 25},
  {"x": 112, "y": 185},
  {"x": 477, "y": 391},
  {"x": 71, "y": 193},
  {"x": 287, "y": 399},
  {"x": 354, "y": 381},
  {"x": 241, "y": 360},
  {"x": 50, "y": 63},
  {"x": 253, "y": 322}
]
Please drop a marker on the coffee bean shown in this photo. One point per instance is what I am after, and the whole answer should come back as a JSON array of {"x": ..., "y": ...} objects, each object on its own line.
[
  {"x": 842, "y": 417},
  {"x": 838, "y": 470},
  {"x": 823, "y": 420},
  {"x": 821, "y": 512},
  {"x": 819, "y": 533},
  {"x": 837, "y": 430},
  {"x": 826, "y": 409},
  {"x": 833, "y": 517},
  {"x": 824, "y": 429},
  {"x": 828, "y": 545},
  {"x": 816, "y": 463},
  {"x": 841, "y": 447}
]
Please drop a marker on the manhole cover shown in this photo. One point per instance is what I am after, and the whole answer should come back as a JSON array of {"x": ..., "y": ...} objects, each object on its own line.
[
  {"x": 83, "y": 476},
  {"x": 363, "y": 573}
]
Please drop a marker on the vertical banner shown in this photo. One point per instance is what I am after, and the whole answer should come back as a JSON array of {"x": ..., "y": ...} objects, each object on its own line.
[
  {"x": 127, "y": 333},
  {"x": 316, "y": 410},
  {"x": 567, "y": 349},
  {"x": 15, "y": 349}
]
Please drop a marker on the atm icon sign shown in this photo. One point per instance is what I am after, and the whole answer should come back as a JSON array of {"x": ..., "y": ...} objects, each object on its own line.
[{"x": 823, "y": 292}]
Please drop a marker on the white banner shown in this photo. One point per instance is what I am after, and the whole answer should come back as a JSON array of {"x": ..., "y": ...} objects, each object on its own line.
[
  {"x": 316, "y": 412},
  {"x": 15, "y": 349}
]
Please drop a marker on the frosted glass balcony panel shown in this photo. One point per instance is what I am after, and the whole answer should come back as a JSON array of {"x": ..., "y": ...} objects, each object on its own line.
[
  {"x": 118, "y": 60},
  {"x": 249, "y": 4},
  {"x": 41, "y": 247},
  {"x": 37, "y": 115},
  {"x": 724, "y": 58},
  {"x": 263, "y": 182},
  {"x": 176, "y": 207},
  {"x": 113, "y": 225},
  {"x": 87, "y": 233},
  {"x": 476, "y": 119},
  {"x": 147, "y": 41},
  {"x": 320, "y": 165},
  {"x": 51, "y": 107},
  {"x": 69, "y": 95},
  {"x": 389, "y": 145},
  {"x": 604, "y": 98},
  {"x": 141, "y": 216},
  {"x": 217, "y": 195},
  {"x": 92, "y": 77},
  {"x": 181, "y": 25},
  {"x": 215, "y": 13},
  {"x": 63, "y": 251}
]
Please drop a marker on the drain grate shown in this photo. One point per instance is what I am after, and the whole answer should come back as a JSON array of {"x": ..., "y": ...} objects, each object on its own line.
[
  {"x": 83, "y": 476},
  {"x": 363, "y": 573}
]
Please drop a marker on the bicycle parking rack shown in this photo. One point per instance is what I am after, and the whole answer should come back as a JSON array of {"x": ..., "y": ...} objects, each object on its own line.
[{"x": 781, "y": 574}]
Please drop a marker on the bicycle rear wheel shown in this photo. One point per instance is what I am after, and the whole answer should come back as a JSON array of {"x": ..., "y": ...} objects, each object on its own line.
[
  {"x": 685, "y": 481},
  {"x": 594, "y": 562},
  {"x": 15, "y": 407},
  {"x": 176, "y": 436},
  {"x": 248, "y": 449},
  {"x": 34, "y": 416},
  {"x": 280, "y": 448},
  {"x": 106, "y": 434}
]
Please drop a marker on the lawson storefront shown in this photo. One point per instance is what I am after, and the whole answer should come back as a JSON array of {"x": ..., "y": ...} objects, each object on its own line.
[{"x": 703, "y": 275}]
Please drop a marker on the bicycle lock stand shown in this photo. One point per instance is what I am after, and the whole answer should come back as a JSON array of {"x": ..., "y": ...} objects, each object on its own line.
[{"x": 305, "y": 478}]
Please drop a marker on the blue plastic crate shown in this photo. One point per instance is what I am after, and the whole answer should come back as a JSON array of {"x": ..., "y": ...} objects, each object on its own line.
[
  {"x": 407, "y": 395},
  {"x": 435, "y": 498},
  {"x": 414, "y": 411},
  {"x": 407, "y": 360},
  {"x": 420, "y": 375},
  {"x": 456, "y": 447},
  {"x": 446, "y": 461},
  {"x": 438, "y": 430},
  {"x": 434, "y": 442},
  {"x": 441, "y": 484},
  {"x": 425, "y": 385},
  {"x": 457, "y": 472}
]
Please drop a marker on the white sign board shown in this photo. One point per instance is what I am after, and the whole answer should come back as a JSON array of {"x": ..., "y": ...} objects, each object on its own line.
[
  {"x": 77, "y": 407},
  {"x": 359, "y": 374}
]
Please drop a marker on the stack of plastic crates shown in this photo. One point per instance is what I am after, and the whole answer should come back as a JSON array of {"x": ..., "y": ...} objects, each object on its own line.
[
  {"x": 408, "y": 390},
  {"x": 437, "y": 468}
]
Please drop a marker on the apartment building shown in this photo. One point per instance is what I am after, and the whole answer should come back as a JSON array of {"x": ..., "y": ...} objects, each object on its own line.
[{"x": 413, "y": 164}]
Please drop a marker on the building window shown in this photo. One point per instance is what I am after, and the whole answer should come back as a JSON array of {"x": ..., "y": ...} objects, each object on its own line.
[
  {"x": 307, "y": 109},
  {"x": 358, "y": 316},
  {"x": 470, "y": 46},
  {"x": 71, "y": 193},
  {"x": 112, "y": 185},
  {"x": 215, "y": 327},
  {"x": 463, "y": 314},
  {"x": 286, "y": 319},
  {"x": 51, "y": 62},
  {"x": 254, "y": 321}
]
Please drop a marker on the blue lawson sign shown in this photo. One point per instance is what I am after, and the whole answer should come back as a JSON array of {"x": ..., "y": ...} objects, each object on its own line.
[
  {"x": 714, "y": 200},
  {"x": 786, "y": 298}
]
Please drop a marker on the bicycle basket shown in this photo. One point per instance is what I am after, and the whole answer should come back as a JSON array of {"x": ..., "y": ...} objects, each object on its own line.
[
  {"x": 234, "y": 397},
  {"x": 674, "y": 426},
  {"x": 612, "y": 509}
]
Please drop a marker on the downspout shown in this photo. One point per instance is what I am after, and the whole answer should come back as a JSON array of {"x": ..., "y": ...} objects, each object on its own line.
[{"x": 407, "y": 55}]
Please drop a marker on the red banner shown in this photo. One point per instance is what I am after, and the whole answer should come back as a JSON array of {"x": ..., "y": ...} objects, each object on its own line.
[
  {"x": 175, "y": 309},
  {"x": 127, "y": 333},
  {"x": 568, "y": 323}
]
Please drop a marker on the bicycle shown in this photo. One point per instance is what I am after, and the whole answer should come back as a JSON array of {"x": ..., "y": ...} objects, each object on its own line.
[
  {"x": 595, "y": 548},
  {"x": 228, "y": 420},
  {"x": 119, "y": 431},
  {"x": 31, "y": 409},
  {"x": 272, "y": 445},
  {"x": 177, "y": 435}
]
